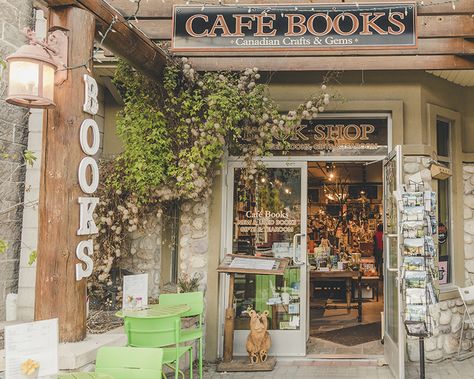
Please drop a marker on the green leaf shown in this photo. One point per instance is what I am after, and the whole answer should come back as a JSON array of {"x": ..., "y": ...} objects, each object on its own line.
[
  {"x": 3, "y": 246},
  {"x": 30, "y": 157},
  {"x": 32, "y": 257}
]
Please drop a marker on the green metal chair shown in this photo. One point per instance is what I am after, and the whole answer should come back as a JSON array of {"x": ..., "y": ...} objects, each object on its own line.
[
  {"x": 195, "y": 300},
  {"x": 162, "y": 333},
  {"x": 129, "y": 363}
]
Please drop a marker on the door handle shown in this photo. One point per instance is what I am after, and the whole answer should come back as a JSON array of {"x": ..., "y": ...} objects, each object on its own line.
[{"x": 296, "y": 261}]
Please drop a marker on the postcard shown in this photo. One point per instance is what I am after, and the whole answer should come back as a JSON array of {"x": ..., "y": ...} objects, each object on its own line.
[
  {"x": 415, "y": 279},
  {"x": 415, "y": 312}
]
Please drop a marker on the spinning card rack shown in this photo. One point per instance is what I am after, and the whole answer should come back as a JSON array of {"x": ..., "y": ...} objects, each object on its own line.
[{"x": 418, "y": 229}]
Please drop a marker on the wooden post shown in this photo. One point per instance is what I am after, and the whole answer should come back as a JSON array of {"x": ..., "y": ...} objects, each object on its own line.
[
  {"x": 58, "y": 294},
  {"x": 229, "y": 323}
]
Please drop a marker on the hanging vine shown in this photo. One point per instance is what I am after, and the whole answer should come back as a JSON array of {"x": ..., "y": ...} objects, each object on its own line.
[{"x": 175, "y": 135}]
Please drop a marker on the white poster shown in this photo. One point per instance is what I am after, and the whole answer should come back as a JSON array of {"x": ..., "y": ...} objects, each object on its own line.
[
  {"x": 35, "y": 342},
  {"x": 135, "y": 291}
]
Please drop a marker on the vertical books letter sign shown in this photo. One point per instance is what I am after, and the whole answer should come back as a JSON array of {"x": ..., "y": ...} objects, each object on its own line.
[{"x": 88, "y": 174}]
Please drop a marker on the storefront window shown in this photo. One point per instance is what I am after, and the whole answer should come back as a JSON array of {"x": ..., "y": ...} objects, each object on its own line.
[
  {"x": 266, "y": 218},
  {"x": 444, "y": 198}
]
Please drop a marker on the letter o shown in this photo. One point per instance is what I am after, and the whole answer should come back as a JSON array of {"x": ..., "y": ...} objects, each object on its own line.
[
  {"x": 86, "y": 187},
  {"x": 85, "y": 126}
]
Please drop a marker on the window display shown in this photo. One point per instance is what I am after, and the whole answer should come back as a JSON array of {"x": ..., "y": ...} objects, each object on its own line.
[{"x": 266, "y": 220}]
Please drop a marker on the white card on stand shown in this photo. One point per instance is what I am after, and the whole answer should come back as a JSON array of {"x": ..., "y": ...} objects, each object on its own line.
[{"x": 37, "y": 341}]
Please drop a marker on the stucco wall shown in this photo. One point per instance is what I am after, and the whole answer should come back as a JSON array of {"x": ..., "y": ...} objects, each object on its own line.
[{"x": 14, "y": 16}]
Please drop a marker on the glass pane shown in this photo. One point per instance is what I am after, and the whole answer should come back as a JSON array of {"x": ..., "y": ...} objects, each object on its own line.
[
  {"x": 48, "y": 82},
  {"x": 443, "y": 240},
  {"x": 266, "y": 218},
  {"x": 391, "y": 225},
  {"x": 390, "y": 200},
  {"x": 23, "y": 78},
  {"x": 392, "y": 306},
  {"x": 442, "y": 138}
]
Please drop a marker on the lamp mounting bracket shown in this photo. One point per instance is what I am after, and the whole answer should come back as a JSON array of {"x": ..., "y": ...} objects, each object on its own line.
[{"x": 56, "y": 45}]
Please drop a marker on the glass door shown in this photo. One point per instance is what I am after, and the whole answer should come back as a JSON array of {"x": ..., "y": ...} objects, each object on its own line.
[
  {"x": 394, "y": 333},
  {"x": 269, "y": 220}
]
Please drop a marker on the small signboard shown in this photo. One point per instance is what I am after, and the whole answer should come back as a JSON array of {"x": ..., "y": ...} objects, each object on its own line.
[
  {"x": 252, "y": 265},
  {"x": 36, "y": 341},
  {"x": 294, "y": 27},
  {"x": 135, "y": 291}
]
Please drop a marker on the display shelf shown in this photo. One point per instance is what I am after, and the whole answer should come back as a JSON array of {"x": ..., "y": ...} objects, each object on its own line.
[{"x": 418, "y": 230}]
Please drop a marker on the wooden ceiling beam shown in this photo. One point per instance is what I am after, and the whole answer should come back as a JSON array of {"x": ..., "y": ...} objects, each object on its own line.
[
  {"x": 158, "y": 9},
  {"x": 125, "y": 41},
  {"x": 429, "y": 62}
]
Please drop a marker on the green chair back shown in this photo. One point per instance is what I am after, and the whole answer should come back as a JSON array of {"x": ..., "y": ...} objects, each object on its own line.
[
  {"x": 195, "y": 300},
  {"x": 129, "y": 362},
  {"x": 152, "y": 332}
]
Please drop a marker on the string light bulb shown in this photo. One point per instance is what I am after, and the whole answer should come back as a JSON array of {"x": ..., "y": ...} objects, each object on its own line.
[{"x": 454, "y": 6}]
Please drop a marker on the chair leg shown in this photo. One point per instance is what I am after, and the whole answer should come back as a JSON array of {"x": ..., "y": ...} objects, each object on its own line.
[
  {"x": 191, "y": 363},
  {"x": 200, "y": 358}
]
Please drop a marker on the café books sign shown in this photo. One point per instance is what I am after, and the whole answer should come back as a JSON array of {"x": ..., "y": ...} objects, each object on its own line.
[{"x": 294, "y": 27}]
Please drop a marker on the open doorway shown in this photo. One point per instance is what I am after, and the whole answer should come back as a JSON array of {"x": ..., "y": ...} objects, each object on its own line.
[{"x": 344, "y": 228}]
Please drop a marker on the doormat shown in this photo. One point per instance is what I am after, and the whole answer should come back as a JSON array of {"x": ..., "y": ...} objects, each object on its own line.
[{"x": 354, "y": 335}]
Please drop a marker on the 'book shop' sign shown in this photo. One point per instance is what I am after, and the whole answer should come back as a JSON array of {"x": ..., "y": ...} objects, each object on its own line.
[{"x": 313, "y": 26}]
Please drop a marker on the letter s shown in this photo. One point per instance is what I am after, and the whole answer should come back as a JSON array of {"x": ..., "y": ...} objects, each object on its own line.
[{"x": 84, "y": 250}]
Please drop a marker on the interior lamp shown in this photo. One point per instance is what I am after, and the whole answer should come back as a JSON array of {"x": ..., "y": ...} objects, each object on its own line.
[{"x": 33, "y": 71}]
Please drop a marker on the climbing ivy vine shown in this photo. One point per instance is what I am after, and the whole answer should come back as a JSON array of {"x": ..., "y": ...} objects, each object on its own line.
[{"x": 175, "y": 134}]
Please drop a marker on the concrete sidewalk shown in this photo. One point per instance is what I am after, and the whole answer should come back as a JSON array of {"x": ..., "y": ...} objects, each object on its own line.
[{"x": 340, "y": 369}]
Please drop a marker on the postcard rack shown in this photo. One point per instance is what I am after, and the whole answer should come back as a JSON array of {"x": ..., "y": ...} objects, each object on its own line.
[{"x": 419, "y": 229}]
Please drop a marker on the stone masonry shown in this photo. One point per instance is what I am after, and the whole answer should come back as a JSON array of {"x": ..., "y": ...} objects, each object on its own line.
[
  {"x": 145, "y": 253},
  {"x": 447, "y": 315},
  {"x": 14, "y": 16},
  {"x": 194, "y": 241}
]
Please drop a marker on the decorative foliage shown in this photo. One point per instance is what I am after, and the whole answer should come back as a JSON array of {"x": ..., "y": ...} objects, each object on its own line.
[
  {"x": 188, "y": 283},
  {"x": 175, "y": 135}
]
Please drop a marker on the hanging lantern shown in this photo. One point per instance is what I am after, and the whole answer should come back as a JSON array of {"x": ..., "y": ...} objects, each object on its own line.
[
  {"x": 31, "y": 77},
  {"x": 32, "y": 71}
]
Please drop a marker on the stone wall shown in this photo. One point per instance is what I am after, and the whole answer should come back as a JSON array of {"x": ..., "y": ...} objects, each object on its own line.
[
  {"x": 468, "y": 176},
  {"x": 447, "y": 315},
  {"x": 145, "y": 253},
  {"x": 14, "y": 16},
  {"x": 194, "y": 241}
]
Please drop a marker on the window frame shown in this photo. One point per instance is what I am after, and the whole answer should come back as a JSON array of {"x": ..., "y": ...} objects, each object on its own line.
[{"x": 435, "y": 113}]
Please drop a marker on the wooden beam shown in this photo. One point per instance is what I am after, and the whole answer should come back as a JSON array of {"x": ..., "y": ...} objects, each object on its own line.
[
  {"x": 158, "y": 9},
  {"x": 126, "y": 41},
  {"x": 429, "y": 62},
  {"x": 57, "y": 293},
  {"x": 428, "y": 27}
]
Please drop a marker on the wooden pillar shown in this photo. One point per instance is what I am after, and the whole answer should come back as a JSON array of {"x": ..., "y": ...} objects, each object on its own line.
[{"x": 58, "y": 294}]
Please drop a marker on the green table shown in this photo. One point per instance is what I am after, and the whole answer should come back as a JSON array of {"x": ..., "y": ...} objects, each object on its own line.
[
  {"x": 84, "y": 375},
  {"x": 156, "y": 311}
]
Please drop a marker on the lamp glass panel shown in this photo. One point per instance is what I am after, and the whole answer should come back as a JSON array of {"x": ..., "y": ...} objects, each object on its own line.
[
  {"x": 48, "y": 81},
  {"x": 23, "y": 78}
]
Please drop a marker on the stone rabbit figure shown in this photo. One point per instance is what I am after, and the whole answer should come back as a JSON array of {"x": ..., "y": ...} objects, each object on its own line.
[{"x": 258, "y": 341}]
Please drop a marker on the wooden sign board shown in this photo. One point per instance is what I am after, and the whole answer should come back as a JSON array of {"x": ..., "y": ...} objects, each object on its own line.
[{"x": 242, "y": 264}]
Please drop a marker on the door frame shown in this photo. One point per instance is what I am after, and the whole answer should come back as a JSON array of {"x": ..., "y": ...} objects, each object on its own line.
[
  {"x": 229, "y": 164},
  {"x": 394, "y": 352},
  {"x": 279, "y": 337}
]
